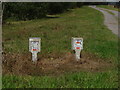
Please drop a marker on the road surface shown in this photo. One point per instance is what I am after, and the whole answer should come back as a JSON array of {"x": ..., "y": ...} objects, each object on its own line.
[
  {"x": 110, "y": 20},
  {"x": 113, "y": 11}
]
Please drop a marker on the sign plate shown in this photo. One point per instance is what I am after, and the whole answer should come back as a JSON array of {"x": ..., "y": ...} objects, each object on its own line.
[
  {"x": 34, "y": 47},
  {"x": 34, "y": 44},
  {"x": 77, "y": 43}
]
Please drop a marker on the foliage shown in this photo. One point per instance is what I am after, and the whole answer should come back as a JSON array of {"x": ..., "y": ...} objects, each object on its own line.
[
  {"x": 34, "y": 10},
  {"x": 24, "y": 11}
]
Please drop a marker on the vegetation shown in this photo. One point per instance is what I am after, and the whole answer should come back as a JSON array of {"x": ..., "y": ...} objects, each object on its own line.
[
  {"x": 73, "y": 80},
  {"x": 108, "y": 7},
  {"x": 34, "y": 10},
  {"x": 57, "y": 31}
]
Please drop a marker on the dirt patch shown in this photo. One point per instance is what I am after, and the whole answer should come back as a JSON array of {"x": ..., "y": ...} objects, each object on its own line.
[{"x": 21, "y": 64}]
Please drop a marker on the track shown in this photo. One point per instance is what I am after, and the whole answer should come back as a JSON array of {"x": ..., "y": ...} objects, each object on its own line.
[{"x": 110, "y": 20}]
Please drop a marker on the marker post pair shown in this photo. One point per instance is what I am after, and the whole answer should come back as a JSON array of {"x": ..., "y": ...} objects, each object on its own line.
[{"x": 35, "y": 47}]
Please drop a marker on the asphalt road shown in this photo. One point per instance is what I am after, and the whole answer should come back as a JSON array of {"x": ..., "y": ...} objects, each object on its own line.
[{"x": 110, "y": 20}]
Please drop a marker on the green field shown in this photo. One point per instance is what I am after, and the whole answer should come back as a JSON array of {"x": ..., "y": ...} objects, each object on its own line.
[{"x": 57, "y": 31}]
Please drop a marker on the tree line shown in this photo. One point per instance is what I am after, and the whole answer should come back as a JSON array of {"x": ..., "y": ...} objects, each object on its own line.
[{"x": 35, "y": 10}]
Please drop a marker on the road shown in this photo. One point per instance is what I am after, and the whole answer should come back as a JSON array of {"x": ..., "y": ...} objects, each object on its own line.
[
  {"x": 113, "y": 11},
  {"x": 110, "y": 20}
]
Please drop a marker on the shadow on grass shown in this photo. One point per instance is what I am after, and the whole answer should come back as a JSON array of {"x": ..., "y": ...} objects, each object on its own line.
[{"x": 52, "y": 16}]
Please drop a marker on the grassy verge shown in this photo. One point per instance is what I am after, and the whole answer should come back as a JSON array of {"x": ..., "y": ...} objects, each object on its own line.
[
  {"x": 108, "y": 7},
  {"x": 56, "y": 33}
]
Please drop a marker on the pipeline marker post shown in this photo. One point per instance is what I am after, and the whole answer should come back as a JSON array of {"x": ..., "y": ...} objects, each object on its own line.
[
  {"x": 77, "y": 46},
  {"x": 34, "y": 47}
]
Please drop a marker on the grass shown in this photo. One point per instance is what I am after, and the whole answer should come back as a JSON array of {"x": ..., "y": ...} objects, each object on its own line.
[
  {"x": 56, "y": 36},
  {"x": 56, "y": 33},
  {"x": 110, "y": 12},
  {"x": 108, "y": 7},
  {"x": 75, "y": 80}
]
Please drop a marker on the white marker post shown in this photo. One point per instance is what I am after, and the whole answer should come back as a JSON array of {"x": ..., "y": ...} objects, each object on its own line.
[
  {"x": 77, "y": 45},
  {"x": 34, "y": 47}
]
